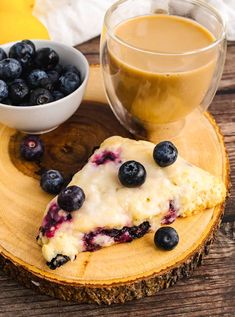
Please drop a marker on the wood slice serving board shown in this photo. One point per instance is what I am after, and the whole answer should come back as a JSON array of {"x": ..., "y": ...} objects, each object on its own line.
[{"x": 117, "y": 273}]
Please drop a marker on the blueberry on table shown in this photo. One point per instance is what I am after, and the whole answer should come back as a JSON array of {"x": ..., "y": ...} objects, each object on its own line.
[
  {"x": 18, "y": 90},
  {"x": 36, "y": 77},
  {"x": 40, "y": 96},
  {"x": 10, "y": 69},
  {"x": 71, "y": 68},
  {"x": 71, "y": 198},
  {"x": 23, "y": 52},
  {"x": 52, "y": 182},
  {"x": 166, "y": 238},
  {"x": 3, "y": 90},
  {"x": 132, "y": 174},
  {"x": 69, "y": 82},
  {"x": 31, "y": 148},
  {"x": 3, "y": 54},
  {"x": 57, "y": 95},
  {"x": 165, "y": 153},
  {"x": 46, "y": 58}
]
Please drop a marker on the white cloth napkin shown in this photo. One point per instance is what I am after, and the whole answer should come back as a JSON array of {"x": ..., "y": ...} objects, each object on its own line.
[
  {"x": 227, "y": 10},
  {"x": 72, "y": 21},
  {"x": 75, "y": 21}
]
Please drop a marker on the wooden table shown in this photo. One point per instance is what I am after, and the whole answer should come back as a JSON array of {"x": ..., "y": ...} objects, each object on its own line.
[{"x": 211, "y": 289}]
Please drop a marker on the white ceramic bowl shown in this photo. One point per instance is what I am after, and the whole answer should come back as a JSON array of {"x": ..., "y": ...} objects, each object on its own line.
[{"x": 44, "y": 118}]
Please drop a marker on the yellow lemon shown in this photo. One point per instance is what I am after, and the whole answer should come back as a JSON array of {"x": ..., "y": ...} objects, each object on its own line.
[
  {"x": 30, "y": 3},
  {"x": 17, "y": 26},
  {"x": 16, "y": 5}
]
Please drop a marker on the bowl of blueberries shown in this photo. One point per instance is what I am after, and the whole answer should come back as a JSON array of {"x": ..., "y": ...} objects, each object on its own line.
[{"x": 42, "y": 84}]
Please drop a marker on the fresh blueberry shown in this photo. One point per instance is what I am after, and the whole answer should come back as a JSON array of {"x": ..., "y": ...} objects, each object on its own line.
[
  {"x": 53, "y": 76},
  {"x": 52, "y": 182},
  {"x": 46, "y": 58},
  {"x": 71, "y": 68},
  {"x": 71, "y": 198},
  {"x": 31, "y": 148},
  {"x": 166, "y": 238},
  {"x": 3, "y": 90},
  {"x": 31, "y": 44},
  {"x": 40, "y": 96},
  {"x": 10, "y": 69},
  {"x": 69, "y": 82},
  {"x": 132, "y": 174},
  {"x": 57, "y": 261},
  {"x": 58, "y": 69},
  {"x": 57, "y": 95},
  {"x": 36, "y": 77},
  {"x": 3, "y": 54},
  {"x": 165, "y": 153},
  {"x": 23, "y": 52},
  {"x": 47, "y": 84},
  {"x": 18, "y": 90}
]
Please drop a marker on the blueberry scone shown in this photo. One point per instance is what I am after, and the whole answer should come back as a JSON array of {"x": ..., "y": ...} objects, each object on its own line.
[{"x": 116, "y": 199}]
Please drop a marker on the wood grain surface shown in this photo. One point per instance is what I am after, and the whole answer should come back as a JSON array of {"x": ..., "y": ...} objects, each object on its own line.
[{"x": 211, "y": 290}]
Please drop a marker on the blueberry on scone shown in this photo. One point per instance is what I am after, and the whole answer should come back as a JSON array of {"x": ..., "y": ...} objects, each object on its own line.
[
  {"x": 165, "y": 153},
  {"x": 71, "y": 198},
  {"x": 132, "y": 174}
]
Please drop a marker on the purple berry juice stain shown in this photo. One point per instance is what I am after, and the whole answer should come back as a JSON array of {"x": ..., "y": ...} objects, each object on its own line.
[
  {"x": 106, "y": 157},
  {"x": 53, "y": 220},
  {"x": 126, "y": 234},
  {"x": 171, "y": 215}
]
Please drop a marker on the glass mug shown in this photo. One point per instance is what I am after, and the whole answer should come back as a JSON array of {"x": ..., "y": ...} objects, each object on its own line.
[{"x": 149, "y": 89}]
